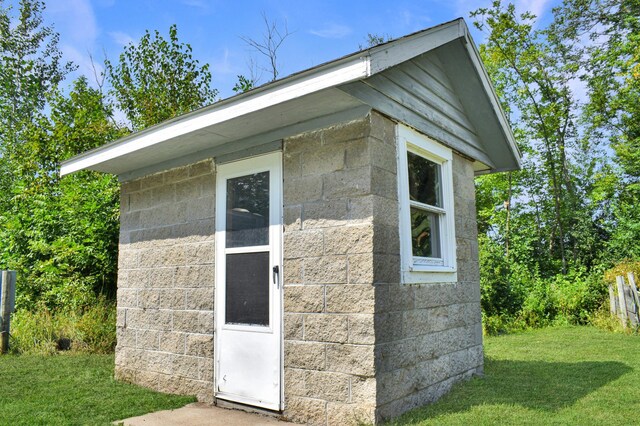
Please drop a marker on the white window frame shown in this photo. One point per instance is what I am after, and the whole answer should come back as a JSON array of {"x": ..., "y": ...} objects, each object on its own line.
[{"x": 415, "y": 270}]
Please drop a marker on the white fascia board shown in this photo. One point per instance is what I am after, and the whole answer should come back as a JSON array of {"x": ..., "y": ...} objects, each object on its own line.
[
  {"x": 353, "y": 68},
  {"x": 474, "y": 55},
  {"x": 403, "y": 49}
]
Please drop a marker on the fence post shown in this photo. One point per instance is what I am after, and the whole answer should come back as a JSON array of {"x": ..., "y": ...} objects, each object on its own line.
[
  {"x": 622, "y": 302},
  {"x": 613, "y": 301},
  {"x": 632, "y": 309},
  {"x": 7, "y": 304},
  {"x": 634, "y": 291}
]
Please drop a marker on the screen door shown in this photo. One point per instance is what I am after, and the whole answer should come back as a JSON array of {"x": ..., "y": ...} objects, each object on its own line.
[{"x": 248, "y": 283}]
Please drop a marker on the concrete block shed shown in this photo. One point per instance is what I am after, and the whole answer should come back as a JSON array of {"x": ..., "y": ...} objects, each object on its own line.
[{"x": 310, "y": 247}]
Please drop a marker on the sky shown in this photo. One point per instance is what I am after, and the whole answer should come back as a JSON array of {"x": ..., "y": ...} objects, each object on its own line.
[{"x": 320, "y": 31}]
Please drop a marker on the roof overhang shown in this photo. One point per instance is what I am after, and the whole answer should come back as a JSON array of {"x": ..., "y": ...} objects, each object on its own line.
[{"x": 297, "y": 103}]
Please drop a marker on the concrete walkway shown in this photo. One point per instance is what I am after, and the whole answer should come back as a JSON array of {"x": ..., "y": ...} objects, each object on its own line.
[{"x": 199, "y": 414}]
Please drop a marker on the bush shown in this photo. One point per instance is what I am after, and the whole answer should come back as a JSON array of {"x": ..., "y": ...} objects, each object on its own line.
[
  {"x": 539, "y": 308},
  {"x": 97, "y": 328},
  {"x": 46, "y": 332},
  {"x": 498, "y": 293},
  {"x": 522, "y": 299},
  {"x": 38, "y": 332},
  {"x": 622, "y": 268},
  {"x": 494, "y": 325},
  {"x": 578, "y": 296}
]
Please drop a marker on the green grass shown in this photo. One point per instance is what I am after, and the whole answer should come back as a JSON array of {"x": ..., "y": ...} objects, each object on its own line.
[
  {"x": 71, "y": 390},
  {"x": 568, "y": 375},
  {"x": 558, "y": 376}
]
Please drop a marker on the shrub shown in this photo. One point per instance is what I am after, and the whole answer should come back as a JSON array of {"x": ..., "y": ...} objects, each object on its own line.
[
  {"x": 578, "y": 296},
  {"x": 47, "y": 332},
  {"x": 97, "y": 327},
  {"x": 603, "y": 319},
  {"x": 38, "y": 332},
  {"x": 493, "y": 325},
  {"x": 622, "y": 268},
  {"x": 499, "y": 293},
  {"x": 538, "y": 309}
]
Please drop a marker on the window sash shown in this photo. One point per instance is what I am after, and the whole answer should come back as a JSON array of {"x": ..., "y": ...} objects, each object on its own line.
[
  {"x": 415, "y": 269},
  {"x": 434, "y": 235},
  {"x": 426, "y": 176},
  {"x": 427, "y": 207}
]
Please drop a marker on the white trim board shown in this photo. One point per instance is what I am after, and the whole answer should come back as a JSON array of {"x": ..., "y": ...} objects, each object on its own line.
[
  {"x": 354, "y": 69},
  {"x": 255, "y": 145},
  {"x": 349, "y": 69}
]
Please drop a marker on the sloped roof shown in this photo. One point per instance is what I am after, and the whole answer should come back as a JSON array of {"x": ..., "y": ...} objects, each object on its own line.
[{"x": 432, "y": 80}]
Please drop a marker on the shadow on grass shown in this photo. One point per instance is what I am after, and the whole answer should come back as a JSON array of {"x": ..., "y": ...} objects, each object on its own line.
[
  {"x": 546, "y": 385},
  {"x": 537, "y": 385}
]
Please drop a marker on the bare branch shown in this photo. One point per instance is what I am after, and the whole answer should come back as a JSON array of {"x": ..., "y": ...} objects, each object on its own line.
[
  {"x": 97, "y": 76},
  {"x": 255, "y": 71},
  {"x": 271, "y": 41}
]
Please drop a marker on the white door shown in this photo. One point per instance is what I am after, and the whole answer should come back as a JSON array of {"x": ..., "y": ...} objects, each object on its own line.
[{"x": 248, "y": 298}]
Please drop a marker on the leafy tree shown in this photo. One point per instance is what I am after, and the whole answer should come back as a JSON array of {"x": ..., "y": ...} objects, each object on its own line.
[
  {"x": 546, "y": 226},
  {"x": 61, "y": 234},
  {"x": 611, "y": 62},
  {"x": 30, "y": 66},
  {"x": 533, "y": 69},
  {"x": 158, "y": 79}
]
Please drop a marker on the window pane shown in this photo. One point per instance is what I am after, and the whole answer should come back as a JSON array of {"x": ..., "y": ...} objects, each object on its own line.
[
  {"x": 424, "y": 180},
  {"x": 247, "y": 291},
  {"x": 425, "y": 233},
  {"x": 248, "y": 210}
]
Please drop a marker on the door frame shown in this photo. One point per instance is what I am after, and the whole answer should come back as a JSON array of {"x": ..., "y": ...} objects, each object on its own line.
[{"x": 245, "y": 166}]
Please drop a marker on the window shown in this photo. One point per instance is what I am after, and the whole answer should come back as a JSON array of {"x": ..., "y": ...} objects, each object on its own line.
[{"x": 425, "y": 194}]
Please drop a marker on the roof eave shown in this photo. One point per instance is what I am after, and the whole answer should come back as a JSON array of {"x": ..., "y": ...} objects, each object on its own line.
[
  {"x": 351, "y": 68},
  {"x": 499, "y": 113},
  {"x": 338, "y": 72}
]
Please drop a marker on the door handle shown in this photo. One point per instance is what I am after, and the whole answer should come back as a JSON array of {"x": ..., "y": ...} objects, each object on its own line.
[{"x": 276, "y": 275}]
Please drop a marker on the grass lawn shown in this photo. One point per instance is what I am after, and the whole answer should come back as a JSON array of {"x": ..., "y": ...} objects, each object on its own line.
[
  {"x": 559, "y": 376},
  {"x": 71, "y": 390}
]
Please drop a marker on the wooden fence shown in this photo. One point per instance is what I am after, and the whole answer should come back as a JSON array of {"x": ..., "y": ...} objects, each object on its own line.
[{"x": 625, "y": 301}]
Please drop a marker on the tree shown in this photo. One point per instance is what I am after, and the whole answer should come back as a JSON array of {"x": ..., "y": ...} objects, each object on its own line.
[
  {"x": 61, "y": 234},
  {"x": 158, "y": 79},
  {"x": 610, "y": 58},
  {"x": 543, "y": 230},
  {"x": 533, "y": 70},
  {"x": 30, "y": 66}
]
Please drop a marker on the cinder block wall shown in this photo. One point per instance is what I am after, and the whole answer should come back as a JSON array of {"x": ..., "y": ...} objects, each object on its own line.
[
  {"x": 335, "y": 181},
  {"x": 166, "y": 281},
  {"x": 429, "y": 336},
  {"x": 359, "y": 346}
]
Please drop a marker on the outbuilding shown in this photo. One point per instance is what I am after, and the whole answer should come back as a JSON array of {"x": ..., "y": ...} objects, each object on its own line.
[{"x": 310, "y": 247}]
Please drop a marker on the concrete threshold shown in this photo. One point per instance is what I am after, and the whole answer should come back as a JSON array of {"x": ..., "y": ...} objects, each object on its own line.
[{"x": 201, "y": 414}]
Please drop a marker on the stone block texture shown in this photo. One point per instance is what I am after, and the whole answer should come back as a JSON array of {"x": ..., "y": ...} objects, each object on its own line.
[
  {"x": 428, "y": 336},
  {"x": 166, "y": 281},
  {"x": 334, "y": 180},
  {"x": 359, "y": 346}
]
